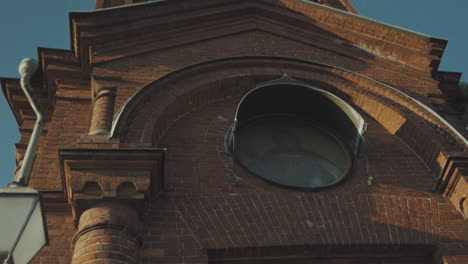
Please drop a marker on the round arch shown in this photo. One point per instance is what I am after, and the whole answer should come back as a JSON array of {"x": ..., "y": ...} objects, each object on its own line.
[{"x": 146, "y": 115}]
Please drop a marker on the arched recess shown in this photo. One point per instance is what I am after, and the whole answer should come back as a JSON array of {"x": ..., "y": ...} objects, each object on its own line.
[{"x": 146, "y": 115}]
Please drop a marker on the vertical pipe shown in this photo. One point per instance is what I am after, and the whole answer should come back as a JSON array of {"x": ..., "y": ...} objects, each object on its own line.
[{"x": 27, "y": 68}]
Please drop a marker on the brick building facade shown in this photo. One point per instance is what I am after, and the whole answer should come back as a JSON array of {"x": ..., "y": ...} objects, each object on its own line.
[{"x": 132, "y": 163}]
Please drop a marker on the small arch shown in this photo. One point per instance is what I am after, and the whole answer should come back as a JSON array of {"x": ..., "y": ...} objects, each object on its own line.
[
  {"x": 92, "y": 188},
  {"x": 126, "y": 189}
]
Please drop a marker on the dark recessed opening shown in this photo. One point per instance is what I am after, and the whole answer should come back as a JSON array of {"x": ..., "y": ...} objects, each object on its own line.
[
  {"x": 292, "y": 152},
  {"x": 295, "y": 135}
]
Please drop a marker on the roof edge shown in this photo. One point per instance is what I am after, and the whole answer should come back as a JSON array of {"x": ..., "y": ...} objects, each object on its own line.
[
  {"x": 371, "y": 21},
  {"x": 351, "y": 14},
  {"x": 3, "y": 81},
  {"x": 349, "y": 6}
]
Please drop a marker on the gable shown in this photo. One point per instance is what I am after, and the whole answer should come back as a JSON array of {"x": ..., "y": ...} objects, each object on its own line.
[
  {"x": 111, "y": 34},
  {"x": 344, "y": 5}
]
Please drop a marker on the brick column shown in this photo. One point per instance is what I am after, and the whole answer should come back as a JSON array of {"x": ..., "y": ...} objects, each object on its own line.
[
  {"x": 103, "y": 110},
  {"x": 107, "y": 233},
  {"x": 107, "y": 190}
]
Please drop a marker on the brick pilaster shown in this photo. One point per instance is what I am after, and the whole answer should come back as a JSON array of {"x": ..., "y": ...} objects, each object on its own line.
[
  {"x": 107, "y": 190},
  {"x": 103, "y": 110},
  {"x": 107, "y": 233}
]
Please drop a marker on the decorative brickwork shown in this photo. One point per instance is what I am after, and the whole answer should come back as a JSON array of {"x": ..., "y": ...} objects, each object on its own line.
[
  {"x": 453, "y": 182},
  {"x": 107, "y": 191},
  {"x": 147, "y": 115},
  {"x": 132, "y": 162},
  {"x": 107, "y": 233},
  {"x": 103, "y": 110},
  {"x": 126, "y": 175}
]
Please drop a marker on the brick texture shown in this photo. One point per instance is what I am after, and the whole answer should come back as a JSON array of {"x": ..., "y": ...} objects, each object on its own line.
[
  {"x": 107, "y": 233},
  {"x": 61, "y": 230},
  {"x": 103, "y": 110},
  {"x": 166, "y": 76},
  {"x": 204, "y": 208}
]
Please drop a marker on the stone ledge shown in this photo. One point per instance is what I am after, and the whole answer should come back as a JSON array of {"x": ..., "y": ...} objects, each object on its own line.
[{"x": 91, "y": 176}]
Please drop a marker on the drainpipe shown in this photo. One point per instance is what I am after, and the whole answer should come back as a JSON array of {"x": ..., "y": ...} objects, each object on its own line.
[{"x": 27, "y": 68}]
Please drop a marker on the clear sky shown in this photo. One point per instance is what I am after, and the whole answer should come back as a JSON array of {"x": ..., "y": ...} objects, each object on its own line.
[
  {"x": 24, "y": 26},
  {"x": 28, "y": 24}
]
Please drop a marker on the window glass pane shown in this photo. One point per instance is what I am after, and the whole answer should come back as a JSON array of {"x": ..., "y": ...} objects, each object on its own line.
[
  {"x": 292, "y": 152},
  {"x": 32, "y": 240},
  {"x": 14, "y": 210}
]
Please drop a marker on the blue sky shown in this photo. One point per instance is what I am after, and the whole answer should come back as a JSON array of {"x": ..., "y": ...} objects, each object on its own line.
[{"x": 28, "y": 24}]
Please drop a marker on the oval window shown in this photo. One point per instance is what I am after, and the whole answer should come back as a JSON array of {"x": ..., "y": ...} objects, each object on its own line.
[{"x": 291, "y": 134}]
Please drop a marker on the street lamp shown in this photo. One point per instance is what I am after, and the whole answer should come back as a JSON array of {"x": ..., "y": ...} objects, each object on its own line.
[{"x": 23, "y": 229}]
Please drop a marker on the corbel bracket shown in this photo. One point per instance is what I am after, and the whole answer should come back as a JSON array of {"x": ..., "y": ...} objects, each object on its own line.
[
  {"x": 124, "y": 175},
  {"x": 453, "y": 182}
]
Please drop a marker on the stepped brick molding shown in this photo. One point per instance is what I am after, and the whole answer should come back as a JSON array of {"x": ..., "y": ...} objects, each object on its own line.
[
  {"x": 453, "y": 182},
  {"x": 95, "y": 175}
]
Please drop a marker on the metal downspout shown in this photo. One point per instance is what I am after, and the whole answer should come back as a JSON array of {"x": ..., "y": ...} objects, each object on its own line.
[{"x": 27, "y": 68}]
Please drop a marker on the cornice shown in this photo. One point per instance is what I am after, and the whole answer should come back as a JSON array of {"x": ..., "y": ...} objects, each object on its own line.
[
  {"x": 11, "y": 90},
  {"x": 59, "y": 76},
  {"x": 453, "y": 182},
  {"x": 108, "y": 34},
  {"x": 91, "y": 176},
  {"x": 349, "y": 6},
  {"x": 114, "y": 24},
  {"x": 102, "y": 5},
  {"x": 62, "y": 75},
  {"x": 19, "y": 105}
]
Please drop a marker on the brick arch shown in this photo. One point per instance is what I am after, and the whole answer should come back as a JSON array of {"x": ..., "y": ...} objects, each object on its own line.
[{"x": 146, "y": 116}]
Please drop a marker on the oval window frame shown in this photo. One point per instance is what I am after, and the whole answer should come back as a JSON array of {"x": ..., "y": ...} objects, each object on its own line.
[{"x": 355, "y": 127}]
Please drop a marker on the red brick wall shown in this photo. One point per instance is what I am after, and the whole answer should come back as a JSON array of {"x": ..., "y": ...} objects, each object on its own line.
[
  {"x": 61, "y": 230},
  {"x": 69, "y": 122},
  {"x": 150, "y": 66},
  {"x": 201, "y": 210}
]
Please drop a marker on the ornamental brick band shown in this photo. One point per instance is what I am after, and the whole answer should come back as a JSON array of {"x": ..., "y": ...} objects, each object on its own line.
[{"x": 128, "y": 176}]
